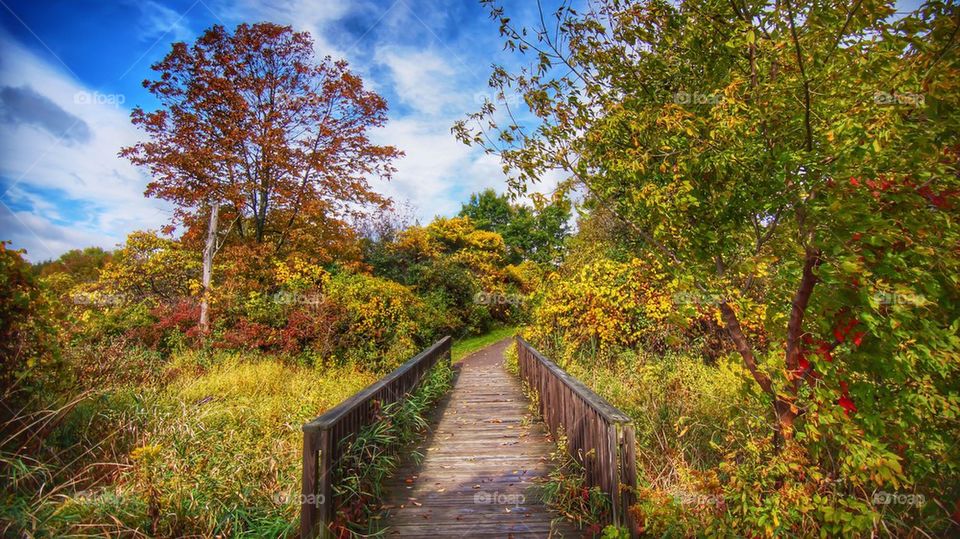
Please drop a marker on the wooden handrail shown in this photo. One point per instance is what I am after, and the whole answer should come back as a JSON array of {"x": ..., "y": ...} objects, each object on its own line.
[
  {"x": 323, "y": 438},
  {"x": 600, "y": 436}
]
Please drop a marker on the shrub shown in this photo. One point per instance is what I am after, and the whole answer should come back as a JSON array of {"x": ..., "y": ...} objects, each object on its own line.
[
  {"x": 381, "y": 322},
  {"x": 603, "y": 305},
  {"x": 150, "y": 266},
  {"x": 170, "y": 326},
  {"x": 29, "y": 352}
]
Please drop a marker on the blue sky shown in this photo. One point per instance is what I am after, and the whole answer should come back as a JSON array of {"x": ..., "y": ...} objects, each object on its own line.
[{"x": 71, "y": 71}]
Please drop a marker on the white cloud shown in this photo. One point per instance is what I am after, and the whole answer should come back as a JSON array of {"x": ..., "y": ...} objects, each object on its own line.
[
  {"x": 87, "y": 175},
  {"x": 433, "y": 165},
  {"x": 422, "y": 79},
  {"x": 314, "y": 16},
  {"x": 160, "y": 22},
  {"x": 438, "y": 171}
]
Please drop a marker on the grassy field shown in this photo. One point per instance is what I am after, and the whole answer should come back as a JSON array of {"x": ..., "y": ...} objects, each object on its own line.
[
  {"x": 213, "y": 451},
  {"x": 464, "y": 347}
]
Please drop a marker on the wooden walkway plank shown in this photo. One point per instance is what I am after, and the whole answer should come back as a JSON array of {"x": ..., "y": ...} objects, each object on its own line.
[{"x": 482, "y": 462}]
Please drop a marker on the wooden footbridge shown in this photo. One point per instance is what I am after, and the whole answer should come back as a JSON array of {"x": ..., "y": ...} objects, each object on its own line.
[{"x": 484, "y": 451}]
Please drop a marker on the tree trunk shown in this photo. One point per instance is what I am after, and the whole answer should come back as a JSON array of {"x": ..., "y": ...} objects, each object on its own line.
[
  {"x": 783, "y": 407},
  {"x": 783, "y": 403},
  {"x": 209, "y": 250},
  {"x": 261, "y": 222}
]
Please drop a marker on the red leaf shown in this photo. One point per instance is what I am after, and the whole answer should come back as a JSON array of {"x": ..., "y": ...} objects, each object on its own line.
[
  {"x": 847, "y": 404},
  {"x": 839, "y": 334},
  {"x": 825, "y": 351}
]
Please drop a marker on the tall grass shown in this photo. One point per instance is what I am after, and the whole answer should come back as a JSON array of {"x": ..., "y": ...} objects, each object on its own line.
[
  {"x": 215, "y": 451},
  {"x": 566, "y": 491},
  {"x": 374, "y": 454}
]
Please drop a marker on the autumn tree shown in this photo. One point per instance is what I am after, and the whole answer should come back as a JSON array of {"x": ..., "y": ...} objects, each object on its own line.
[
  {"x": 250, "y": 125},
  {"x": 82, "y": 265},
  {"x": 793, "y": 164}
]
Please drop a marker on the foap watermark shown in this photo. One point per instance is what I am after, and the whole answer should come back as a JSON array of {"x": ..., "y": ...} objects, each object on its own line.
[
  {"x": 495, "y": 298},
  {"x": 98, "y": 300},
  {"x": 104, "y": 497},
  {"x": 695, "y": 98},
  {"x": 696, "y": 498},
  {"x": 895, "y": 298},
  {"x": 898, "y": 498},
  {"x": 498, "y": 498},
  {"x": 512, "y": 100},
  {"x": 283, "y": 498},
  {"x": 285, "y": 297},
  {"x": 98, "y": 98},
  {"x": 898, "y": 98},
  {"x": 696, "y": 298}
]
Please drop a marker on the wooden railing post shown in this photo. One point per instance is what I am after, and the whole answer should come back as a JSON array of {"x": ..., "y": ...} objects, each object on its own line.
[
  {"x": 308, "y": 507},
  {"x": 316, "y": 507},
  {"x": 325, "y": 483},
  {"x": 323, "y": 437},
  {"x": 597, "y": 433},
  {"x": 628, "y": 475}
]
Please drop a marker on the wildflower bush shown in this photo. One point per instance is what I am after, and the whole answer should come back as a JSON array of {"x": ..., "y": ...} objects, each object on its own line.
[
  {"x": 602, "y": 305},
  {"x": 462, "y": 270},
  {"x": 381, "y": 325}
]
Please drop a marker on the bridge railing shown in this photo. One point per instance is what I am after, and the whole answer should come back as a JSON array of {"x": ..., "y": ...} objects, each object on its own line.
[
  {"x": 595, "y": 430},
  {"x": 324, "y": 436}
]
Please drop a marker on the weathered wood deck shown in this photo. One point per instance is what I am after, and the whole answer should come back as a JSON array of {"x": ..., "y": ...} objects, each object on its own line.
[{"x": 484, "y": 453}]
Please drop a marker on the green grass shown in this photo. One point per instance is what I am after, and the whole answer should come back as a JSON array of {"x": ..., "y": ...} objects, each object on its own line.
[{"x": 464, "y": 347}]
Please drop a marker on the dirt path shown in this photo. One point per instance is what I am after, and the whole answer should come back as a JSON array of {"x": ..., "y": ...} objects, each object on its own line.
[{"x": 483, "y": 454}]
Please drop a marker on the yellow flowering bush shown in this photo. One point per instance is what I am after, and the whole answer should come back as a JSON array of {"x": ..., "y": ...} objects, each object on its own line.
[
  {"x": 603, "y": 304},
  {"x": 298, "y": 275},
  {"x": 382, "y": 322}
]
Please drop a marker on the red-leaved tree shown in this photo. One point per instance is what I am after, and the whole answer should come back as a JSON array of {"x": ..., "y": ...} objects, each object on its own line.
[{"x": 251, "y": 130}]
